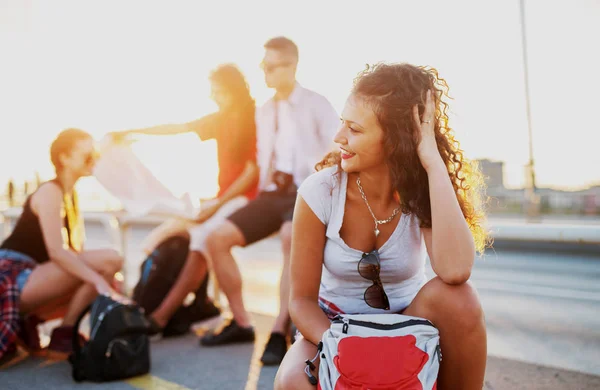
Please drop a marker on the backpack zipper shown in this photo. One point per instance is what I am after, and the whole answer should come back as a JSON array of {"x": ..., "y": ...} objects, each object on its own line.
[
  {"x": 101, "y": 317},
  {"x": 110, "y": 346},
  {"x": 345, "y": 326},
  {"x": 373, "y": 325}
]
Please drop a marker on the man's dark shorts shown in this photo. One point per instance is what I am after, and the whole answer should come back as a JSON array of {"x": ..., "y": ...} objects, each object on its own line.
[{"x": 264, "y": 215}]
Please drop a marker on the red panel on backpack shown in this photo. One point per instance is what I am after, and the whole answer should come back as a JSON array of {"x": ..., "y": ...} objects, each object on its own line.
[{"x": 379, "y": 363}]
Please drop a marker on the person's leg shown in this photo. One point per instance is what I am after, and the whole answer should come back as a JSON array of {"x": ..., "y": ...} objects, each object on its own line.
[
  {"x": 191, "y": 276},
  {"x": 55, "y": 309},
  {"x": 277, "y": 345},
  {"x": 196, "y": 267},
  {"x": 257, "y": 220},
  {"x": 107, "y": 262},
  {"x": 50, "y": 290},
  {"x": 291, "y": 375},
  {"x": 47, "y": 283},
  {"x": 219, "y": 244},
  {"x": 169, "y": 228},
  {"x": 282, "y": 322},
  {"x": 456, "y": 311}
]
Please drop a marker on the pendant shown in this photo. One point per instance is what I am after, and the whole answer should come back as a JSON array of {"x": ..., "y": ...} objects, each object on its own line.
[{"x": 376, "y": 232}]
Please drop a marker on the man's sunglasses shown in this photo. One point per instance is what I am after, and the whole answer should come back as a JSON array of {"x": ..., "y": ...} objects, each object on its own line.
[
  {"x": 369, "y": 267},
  {"x": 269, "y": 68}
]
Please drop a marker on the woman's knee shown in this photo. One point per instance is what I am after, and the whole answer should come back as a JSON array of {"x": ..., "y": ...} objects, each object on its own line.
[
  {"x": 458, "y": 302},
  {"x": 104, "y": 261},
  {"x": 290, "y": 375},
  {"x": 291, "y": 378},
  {"x": 112, "y": 262},
  {"x": 223, "y": 238}
]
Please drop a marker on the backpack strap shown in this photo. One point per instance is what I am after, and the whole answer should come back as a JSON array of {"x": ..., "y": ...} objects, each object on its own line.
[
  {"x": 75, "y": 339},
  {"x": 310, "y": 366},
  {"x": 75, "y": 358}
]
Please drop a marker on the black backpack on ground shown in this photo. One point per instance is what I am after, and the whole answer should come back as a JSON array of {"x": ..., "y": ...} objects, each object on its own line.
[
  {"x": 118, "y": 347},
  {"x": 158, "y": 274}
]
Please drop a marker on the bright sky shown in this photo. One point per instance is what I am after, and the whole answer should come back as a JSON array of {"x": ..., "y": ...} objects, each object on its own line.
[{"x": 111, "y": 65}]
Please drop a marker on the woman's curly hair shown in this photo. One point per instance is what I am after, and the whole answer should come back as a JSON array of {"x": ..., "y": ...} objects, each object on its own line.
[{"x": 392, "y": 90}]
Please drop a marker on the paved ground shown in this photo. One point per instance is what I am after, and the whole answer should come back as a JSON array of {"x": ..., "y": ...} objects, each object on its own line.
[{"x": 180, "y": 364}]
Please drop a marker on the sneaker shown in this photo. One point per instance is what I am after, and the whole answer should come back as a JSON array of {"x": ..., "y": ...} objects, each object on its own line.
[
  {"x": 183, "y": 318},
  {"x": 154, "y": 328},
  {"x": 61, "y": 342},
  {"x": 204, "y": 312},
  {"x": 232, "y": 333},
  {"x": 275, "y": 350},
  {"x": 178, "y": 325}
]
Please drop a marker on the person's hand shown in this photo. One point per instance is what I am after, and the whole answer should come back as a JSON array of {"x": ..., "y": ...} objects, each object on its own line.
[
  {"x": 104, "y": 288},
  {"x": 427, "y": 147},
  {"x": 118, "y": 136},
  {"x": 207, "y": 212}
]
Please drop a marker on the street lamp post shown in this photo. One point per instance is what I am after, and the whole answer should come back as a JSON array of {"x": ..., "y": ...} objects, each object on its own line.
[{"x": 531, "y": 198}]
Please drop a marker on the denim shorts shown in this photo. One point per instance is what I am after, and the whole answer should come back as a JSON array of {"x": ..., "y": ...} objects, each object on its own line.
[{"x": 18, "y": 256}]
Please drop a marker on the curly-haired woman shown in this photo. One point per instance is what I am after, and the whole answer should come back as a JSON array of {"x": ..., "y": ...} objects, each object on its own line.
[{"x": 399, "y": 189}]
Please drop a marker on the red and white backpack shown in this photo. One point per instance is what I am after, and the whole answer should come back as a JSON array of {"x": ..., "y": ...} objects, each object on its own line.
[{"x": 379, "y": 352}]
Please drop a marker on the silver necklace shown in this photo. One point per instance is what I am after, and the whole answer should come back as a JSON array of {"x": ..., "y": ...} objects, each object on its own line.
[{"x": 377, "y": 221}]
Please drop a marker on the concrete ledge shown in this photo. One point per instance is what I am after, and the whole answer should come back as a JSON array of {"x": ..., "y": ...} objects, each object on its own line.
[
  {"x": 546, "y": 246},
  {"x": 544, "y": 232},
  {"x": 501, "y": 231}
]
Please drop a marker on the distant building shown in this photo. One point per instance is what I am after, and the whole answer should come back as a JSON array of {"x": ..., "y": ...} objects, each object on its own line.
[
  {"x": 591, "y": 200},
  {"x": 509, "y": 200},
  {"x": 552, "y": 201},
  {"x": 38, "y": 179},
  {"x": 493, "y": 171},
  {"x": 11, "y": 193}
]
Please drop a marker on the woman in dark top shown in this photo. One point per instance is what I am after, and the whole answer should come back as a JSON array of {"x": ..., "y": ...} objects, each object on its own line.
[{"x": 46, "y": 247}]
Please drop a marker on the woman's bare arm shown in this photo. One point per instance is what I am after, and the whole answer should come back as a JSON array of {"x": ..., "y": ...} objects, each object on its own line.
[
  {"x": 46, "y": 203},
  {"x": 308, "y": 243},
  {"x": 204, "y": 126},
  {"x": 449, "y": 242}
]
